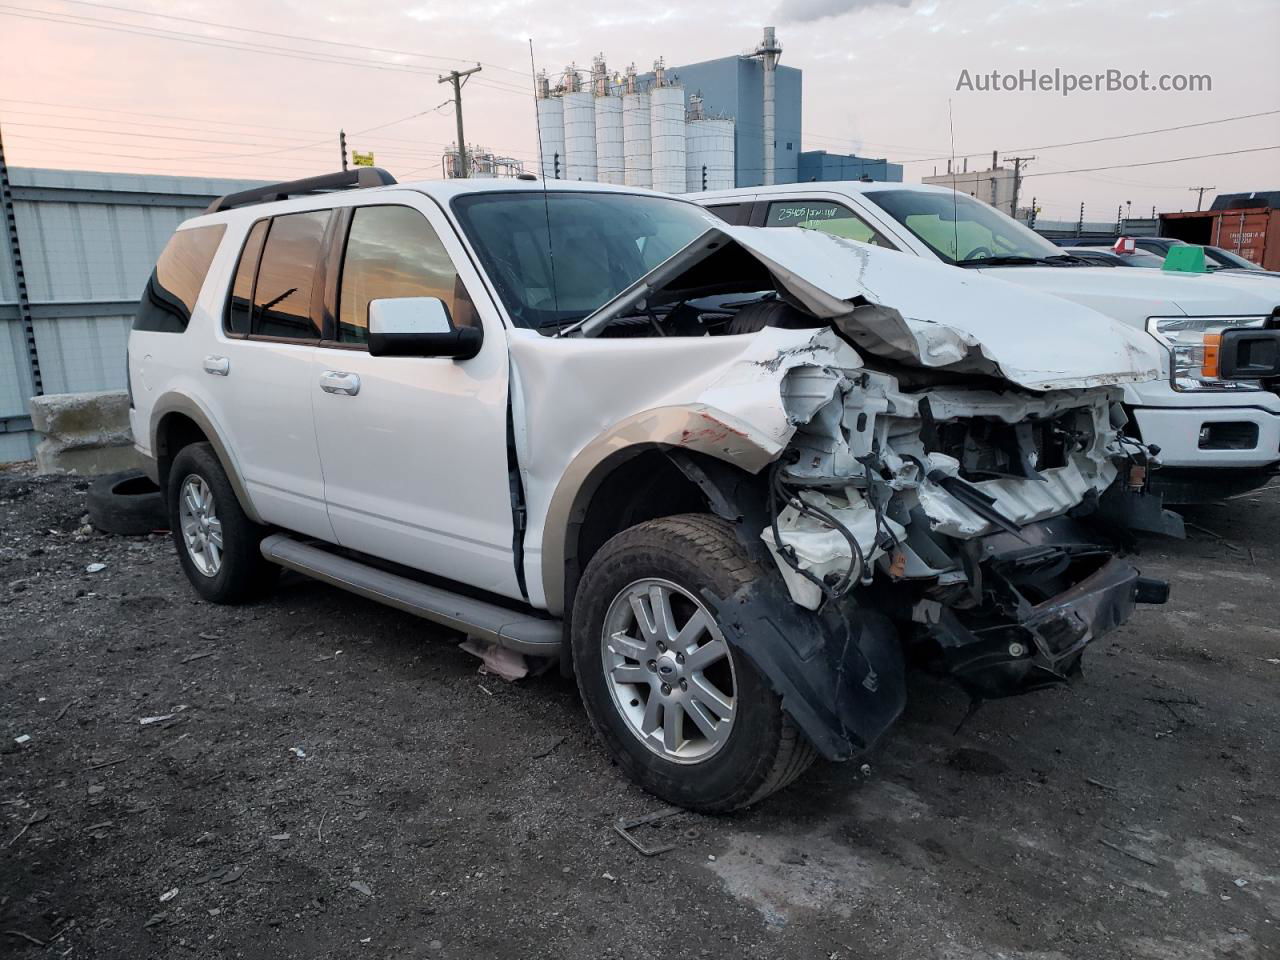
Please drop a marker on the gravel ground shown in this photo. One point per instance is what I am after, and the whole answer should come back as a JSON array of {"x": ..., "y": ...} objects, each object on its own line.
[{"x": 334, "y": 779}]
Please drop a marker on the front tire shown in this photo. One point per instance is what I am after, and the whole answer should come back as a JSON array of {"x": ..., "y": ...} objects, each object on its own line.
[
  {"x": 217, "y": 543},
  {"x": 685, "y": 714}
]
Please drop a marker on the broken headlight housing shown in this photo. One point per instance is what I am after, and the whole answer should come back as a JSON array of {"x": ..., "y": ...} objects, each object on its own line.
[{"x": 1193, "y": 344}]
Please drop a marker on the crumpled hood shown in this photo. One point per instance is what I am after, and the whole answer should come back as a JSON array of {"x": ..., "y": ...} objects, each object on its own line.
[
  {"x": 918, "y": 312},
  {"x": 1132, "y": 295}
]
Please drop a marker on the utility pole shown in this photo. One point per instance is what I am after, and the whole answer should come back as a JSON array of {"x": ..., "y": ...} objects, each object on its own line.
[
  {"x": 458, "y": 78},
  {"x": 1199, "y": 192},
  {"x": 1017, "y": 182},
  {"x": 342, "y": 144}
]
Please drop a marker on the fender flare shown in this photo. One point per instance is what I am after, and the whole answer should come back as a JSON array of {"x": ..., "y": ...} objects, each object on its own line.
[{"x": 180, "y": 403}]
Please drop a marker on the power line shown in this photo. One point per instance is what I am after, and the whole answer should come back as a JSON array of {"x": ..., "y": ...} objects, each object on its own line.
[
  {"x": 1152, "y": 163},
  {"x": 1118, "y": 136},
  {"x": 225, "y": 43},
  {"x": 1147, "y": 133},
  {"x": 425, "y": 148},
  {"x": 282, "y": 36},
  {"x": 201, "y": 120}
]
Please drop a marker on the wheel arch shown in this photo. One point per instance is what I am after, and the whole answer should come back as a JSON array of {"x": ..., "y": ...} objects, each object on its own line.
[
  {"x": 691, "y": 457},
  {"x": 178, "y": 421}
]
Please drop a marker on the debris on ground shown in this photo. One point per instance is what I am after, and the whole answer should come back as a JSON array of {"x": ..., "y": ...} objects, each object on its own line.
[
  {"x": 499, "y": 661},
  {"x": 623, "y": 828},
  {"x": 548, "y": 749},
  {"x": 147, "y": 721}
]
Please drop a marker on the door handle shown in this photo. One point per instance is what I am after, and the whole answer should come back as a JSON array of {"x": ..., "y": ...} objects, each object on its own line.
[
  {"x": 343, "y": 384},
  {"x": 218, "y": 366}
]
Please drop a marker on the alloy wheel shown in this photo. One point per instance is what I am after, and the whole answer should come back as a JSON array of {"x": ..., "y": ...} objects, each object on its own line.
[
  {"x": 201, "y": 528},
  {"x": 669, "y": 670}
]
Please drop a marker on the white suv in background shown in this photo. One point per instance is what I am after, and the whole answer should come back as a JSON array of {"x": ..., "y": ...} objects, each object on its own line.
[
  {"x": 725, "y": 475},
  {"x": 1215, "y": 411}
]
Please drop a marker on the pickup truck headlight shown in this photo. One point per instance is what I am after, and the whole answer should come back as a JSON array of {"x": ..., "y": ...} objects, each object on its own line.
[{"x": 1193, "y": 350}]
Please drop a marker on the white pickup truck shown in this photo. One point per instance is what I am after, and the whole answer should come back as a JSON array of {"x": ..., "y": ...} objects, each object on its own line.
[
  {"x": 728, "y": 476},
  {"x": 1218, "y": 434}
]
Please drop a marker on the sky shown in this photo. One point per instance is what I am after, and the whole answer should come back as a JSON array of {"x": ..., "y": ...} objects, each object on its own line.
[{"x": 106, "y": 86}]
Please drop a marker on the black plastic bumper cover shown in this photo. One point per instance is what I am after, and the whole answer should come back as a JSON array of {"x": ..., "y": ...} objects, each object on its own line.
[
  {"x": 840, "y": 673},
  {"x": 1014, "y": 645}
]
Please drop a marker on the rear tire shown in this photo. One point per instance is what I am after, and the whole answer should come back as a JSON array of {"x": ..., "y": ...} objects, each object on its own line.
[
  {"x": 217, "y": 543},
  {"x": 640, "y": 625}
]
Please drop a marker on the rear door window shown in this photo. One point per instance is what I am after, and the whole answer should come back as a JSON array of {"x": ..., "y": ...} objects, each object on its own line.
[
  {"x": 737, "y": 213},
  {"x": 392, "y": 252},
  {"x": 287, "y": 277},
  {"x": 825, "y": 215},
  {"x": 175, "y": 283},
  {"x": 240, "y": 303}
]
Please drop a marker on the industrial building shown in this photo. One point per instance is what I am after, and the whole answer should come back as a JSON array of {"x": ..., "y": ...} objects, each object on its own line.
[
  {"x": 994, "y": 186},
  {"x": 820, "y": 165},
  {"x": 712, "y": 125}
]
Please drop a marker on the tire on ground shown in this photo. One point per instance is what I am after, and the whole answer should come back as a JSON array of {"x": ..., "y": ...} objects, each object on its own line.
[
  {"x": 764, "y": 751},
  {"x": 243, "y": 574},
  {"x": 126, "y": 503}
]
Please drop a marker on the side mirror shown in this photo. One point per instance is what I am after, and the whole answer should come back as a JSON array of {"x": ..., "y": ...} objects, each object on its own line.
[{"x": 419, "y": 327}]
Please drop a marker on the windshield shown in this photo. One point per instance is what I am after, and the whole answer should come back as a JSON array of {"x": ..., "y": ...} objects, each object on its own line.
[
  {"x": 960, "y": 229},
  {"x": 1217, "y": 258},
  {"x": 555, "y": 257}
]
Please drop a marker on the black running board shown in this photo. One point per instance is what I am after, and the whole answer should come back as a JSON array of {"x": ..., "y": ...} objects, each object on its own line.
[{"x": 512, "y": 629}]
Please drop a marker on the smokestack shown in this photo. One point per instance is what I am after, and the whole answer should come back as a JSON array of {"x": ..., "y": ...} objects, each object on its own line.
[{"x": 768, "y": 52}]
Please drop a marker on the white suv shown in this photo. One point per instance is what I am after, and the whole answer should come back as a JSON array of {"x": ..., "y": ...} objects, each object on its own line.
[
  {"x": 1215, "y": 411},
  {"x": 725, "y": 475}
]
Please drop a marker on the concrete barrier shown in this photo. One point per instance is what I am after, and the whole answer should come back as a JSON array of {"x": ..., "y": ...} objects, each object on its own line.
[{"x": 84, "y": 433}]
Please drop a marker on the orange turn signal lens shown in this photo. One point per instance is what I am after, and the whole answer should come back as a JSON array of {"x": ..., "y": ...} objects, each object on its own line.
[{"x": 1212, "y": 344}]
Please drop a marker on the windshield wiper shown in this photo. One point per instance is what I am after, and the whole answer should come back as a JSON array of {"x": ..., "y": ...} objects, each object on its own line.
[{"x": 1013, "y": 260}]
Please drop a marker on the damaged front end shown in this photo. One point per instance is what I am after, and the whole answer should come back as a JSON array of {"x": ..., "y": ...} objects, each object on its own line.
[
  {"x": 935, "y": 463},
  {"x": 967, "y": 513}
]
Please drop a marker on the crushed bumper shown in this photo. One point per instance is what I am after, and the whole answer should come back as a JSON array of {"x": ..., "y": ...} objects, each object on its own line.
[{"x": 1041, "y": 598}]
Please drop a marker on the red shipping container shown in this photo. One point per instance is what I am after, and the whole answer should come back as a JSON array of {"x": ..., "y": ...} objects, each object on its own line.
[{"x": 1253, "y": 233}]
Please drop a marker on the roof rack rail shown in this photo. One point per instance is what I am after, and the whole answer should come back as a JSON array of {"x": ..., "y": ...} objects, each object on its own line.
[{"x": 325, "y": 183}]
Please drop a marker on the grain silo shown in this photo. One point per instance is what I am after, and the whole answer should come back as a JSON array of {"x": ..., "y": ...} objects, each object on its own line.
[
  {"x": 550, "y": 131},
  {"x": 708, "y": 150},
  {"x": 579, "y": 129},
  {"x": 608, "y": 107},
  {"x": 637, "y": 140},
  {"x": 666, "y": 125}
]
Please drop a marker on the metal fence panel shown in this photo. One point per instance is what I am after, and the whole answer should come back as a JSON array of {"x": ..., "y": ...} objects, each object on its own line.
[
  {"x": 89, "y": 241},
  {"x": 79, "y": 354}
]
